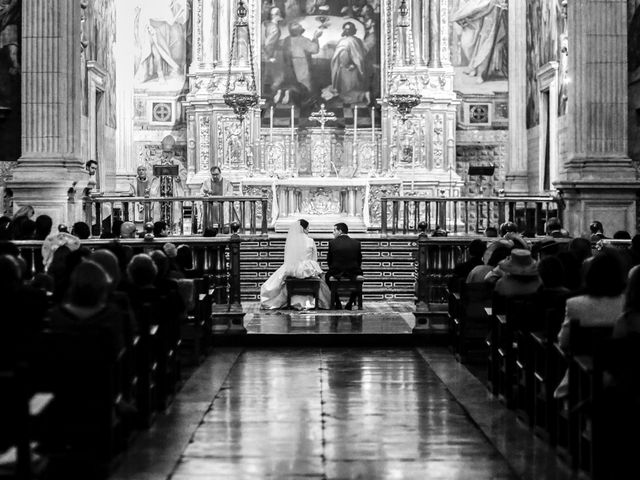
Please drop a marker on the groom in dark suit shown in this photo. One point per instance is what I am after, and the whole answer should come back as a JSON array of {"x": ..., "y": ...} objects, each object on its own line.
[{"x": 344, "y": 259}]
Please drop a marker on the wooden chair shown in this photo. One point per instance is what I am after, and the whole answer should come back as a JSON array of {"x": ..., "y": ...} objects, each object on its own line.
[
  {"x": 346, "y": 286},
  {"x": 303, "y": 286}
]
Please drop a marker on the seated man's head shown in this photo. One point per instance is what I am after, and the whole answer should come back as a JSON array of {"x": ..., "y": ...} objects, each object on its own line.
[
  {"x": 128, "y": 230},
  {"x": 553, "y": 225},
  {"x": 89, "y": 285},
  {"x": 596, "y": 227},
  {"x": 160, "y": 229},
  {"x": 340, "y": 229},
  {"x": 142, "y": 270},
  {"x": 477, "y": 248},
  {"x": 508, "y": 227},
  {"x": 81, "y": 230}
]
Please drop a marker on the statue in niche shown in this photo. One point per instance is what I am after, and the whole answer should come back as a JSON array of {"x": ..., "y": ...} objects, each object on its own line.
[{"x": 160, "y": 34}]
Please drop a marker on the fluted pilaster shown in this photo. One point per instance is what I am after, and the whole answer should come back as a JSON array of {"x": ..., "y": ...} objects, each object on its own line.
[
  {"x": 517, "y": 159},
  {"x": 598, "y": 70},
  {"x": 51, "y": 81}
]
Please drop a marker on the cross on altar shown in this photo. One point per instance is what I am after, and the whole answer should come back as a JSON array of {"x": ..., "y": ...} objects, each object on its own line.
[{"x": 322, "y": 117}]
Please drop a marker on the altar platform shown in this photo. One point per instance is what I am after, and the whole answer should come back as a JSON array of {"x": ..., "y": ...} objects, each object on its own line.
[{"x": 378, "y": 323}]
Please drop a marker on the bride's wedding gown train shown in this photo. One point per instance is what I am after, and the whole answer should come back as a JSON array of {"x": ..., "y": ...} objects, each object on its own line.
[{"x": 301, "y": 261}]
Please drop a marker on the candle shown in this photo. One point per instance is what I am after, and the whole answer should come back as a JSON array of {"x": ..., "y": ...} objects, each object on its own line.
[
  {"x": 355, "y": 131},
  {"x": 271, "y": 125},
  {"x": 373, "y": 125},
  {"x": 292, "y": 135}
]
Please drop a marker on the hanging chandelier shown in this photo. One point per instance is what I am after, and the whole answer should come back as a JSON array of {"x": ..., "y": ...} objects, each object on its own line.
[
  {"x": 404, "y": 98},
  {"x": 241, "y": 93}
]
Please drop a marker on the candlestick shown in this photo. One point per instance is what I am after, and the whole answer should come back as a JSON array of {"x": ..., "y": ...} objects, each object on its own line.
[
  {"x": 271, "y": 124},
  {"x": 373, "y": 125},
  {"x": 355, "y": 131}
]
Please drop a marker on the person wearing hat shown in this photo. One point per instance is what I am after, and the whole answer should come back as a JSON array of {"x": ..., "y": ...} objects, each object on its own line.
[
  {"x": 165, "y": 186},
  {"x": 520, "y": 275}
]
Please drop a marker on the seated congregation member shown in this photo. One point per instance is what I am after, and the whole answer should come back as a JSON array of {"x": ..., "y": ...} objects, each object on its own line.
[
  {"x": 553, "y": 228},
  {"x": 499, "y": 251},
  {"x": 596, "y": 231},
  {"x": 109, "y": 262},
  {"x": 160, "y": 229},
  {"x": 5, "y": 228},
  {"x": 300, "y": 261},
  {"x": 23, "y": 312},
  {"x": 553, "y": 292},
  {"x": 601, "y": 303},
  {"x": 171, "y": 252},
  {"x": 167, "y": 284},
  {"x": 520, "y": 275},
  {"x": 85, "y": 307},
  {"x": 81, "y": 230},
  {"x": 461, "y": 271},
  {"x": 629, "y": 321},
  {"x": 128, "y": 230},
  {"x": 344, "y": 259}
]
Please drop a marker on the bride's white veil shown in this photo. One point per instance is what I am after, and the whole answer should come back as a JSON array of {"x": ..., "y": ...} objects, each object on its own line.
[{"x": 295, "y": 247}]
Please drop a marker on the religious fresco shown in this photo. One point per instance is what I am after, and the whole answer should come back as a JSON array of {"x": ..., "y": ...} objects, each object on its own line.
[
  {"x": 10, "y": 42},
  {"x": 319, "y": 52},
  {"x": 479, "y": 45},
  {"x": 98, "y": 43},
  {"x": 546, "y": 42},
  {"x": 162, "y": 33}
]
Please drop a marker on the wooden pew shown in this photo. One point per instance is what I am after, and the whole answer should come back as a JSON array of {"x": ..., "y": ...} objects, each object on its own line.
[
  {"x": 19, "y": 410},
  {"x": 469, "y": 320},
  {"x": 586, "y": 348}
]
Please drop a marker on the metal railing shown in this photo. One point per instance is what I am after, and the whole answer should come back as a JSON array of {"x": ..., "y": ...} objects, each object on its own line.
[
  {"x": 218, "y": 258},
  {"x": 195, "y": 213},
  {"x": 466, "y": 215}
]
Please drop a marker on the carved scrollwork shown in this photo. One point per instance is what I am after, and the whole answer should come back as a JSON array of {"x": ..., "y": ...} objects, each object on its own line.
[
  {"x": 205, "y": 142},
  {"x": 321, "y": 202}
]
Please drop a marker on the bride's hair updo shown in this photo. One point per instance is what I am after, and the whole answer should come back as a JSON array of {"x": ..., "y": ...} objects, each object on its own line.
[{"x": 304, "y": 223}]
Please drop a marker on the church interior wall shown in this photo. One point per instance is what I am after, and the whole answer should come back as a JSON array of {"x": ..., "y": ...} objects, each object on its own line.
[
  {"x": 98, "y": 44},
  {"x": 159, "y": 80},
  {"x": 546, "y": 45}
]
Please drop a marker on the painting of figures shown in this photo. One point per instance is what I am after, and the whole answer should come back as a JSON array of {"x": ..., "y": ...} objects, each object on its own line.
[
  {"x": 10, "y": 78},
  {"x": 162, "y": 43},
  {"x": 320, "y": 51},
  {"x": 479, "y": 45}
]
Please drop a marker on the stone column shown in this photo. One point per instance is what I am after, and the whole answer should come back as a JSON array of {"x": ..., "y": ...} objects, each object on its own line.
[
  {"x": 517, "y": 160},
  {"x": 434, "y": 34},
  {"x": 51, "y": 158},
  {"x": 126, "y": 161},
  {"x": 596, "y": 175}
]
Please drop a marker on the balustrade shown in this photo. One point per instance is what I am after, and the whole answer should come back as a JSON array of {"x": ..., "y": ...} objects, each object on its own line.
[
  {"x": 466, "y": 215},
  {"x": 196, "y": 213}
]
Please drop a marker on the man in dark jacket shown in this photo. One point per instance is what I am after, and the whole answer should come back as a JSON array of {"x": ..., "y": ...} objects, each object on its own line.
[{"x": 344, "y": 259}]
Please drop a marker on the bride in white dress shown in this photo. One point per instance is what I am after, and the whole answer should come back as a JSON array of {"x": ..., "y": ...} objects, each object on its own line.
[{"x": 301, "y": 261}]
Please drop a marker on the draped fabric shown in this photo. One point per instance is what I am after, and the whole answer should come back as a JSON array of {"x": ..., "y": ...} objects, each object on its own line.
[{"x": 301, "y": 261}]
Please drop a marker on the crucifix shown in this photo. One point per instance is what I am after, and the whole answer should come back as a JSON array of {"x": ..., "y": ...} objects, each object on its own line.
[{"x": 322, "y": 117}]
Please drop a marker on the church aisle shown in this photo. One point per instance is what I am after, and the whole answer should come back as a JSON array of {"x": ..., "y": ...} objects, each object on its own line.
[{"x": 337, "y": 414}]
